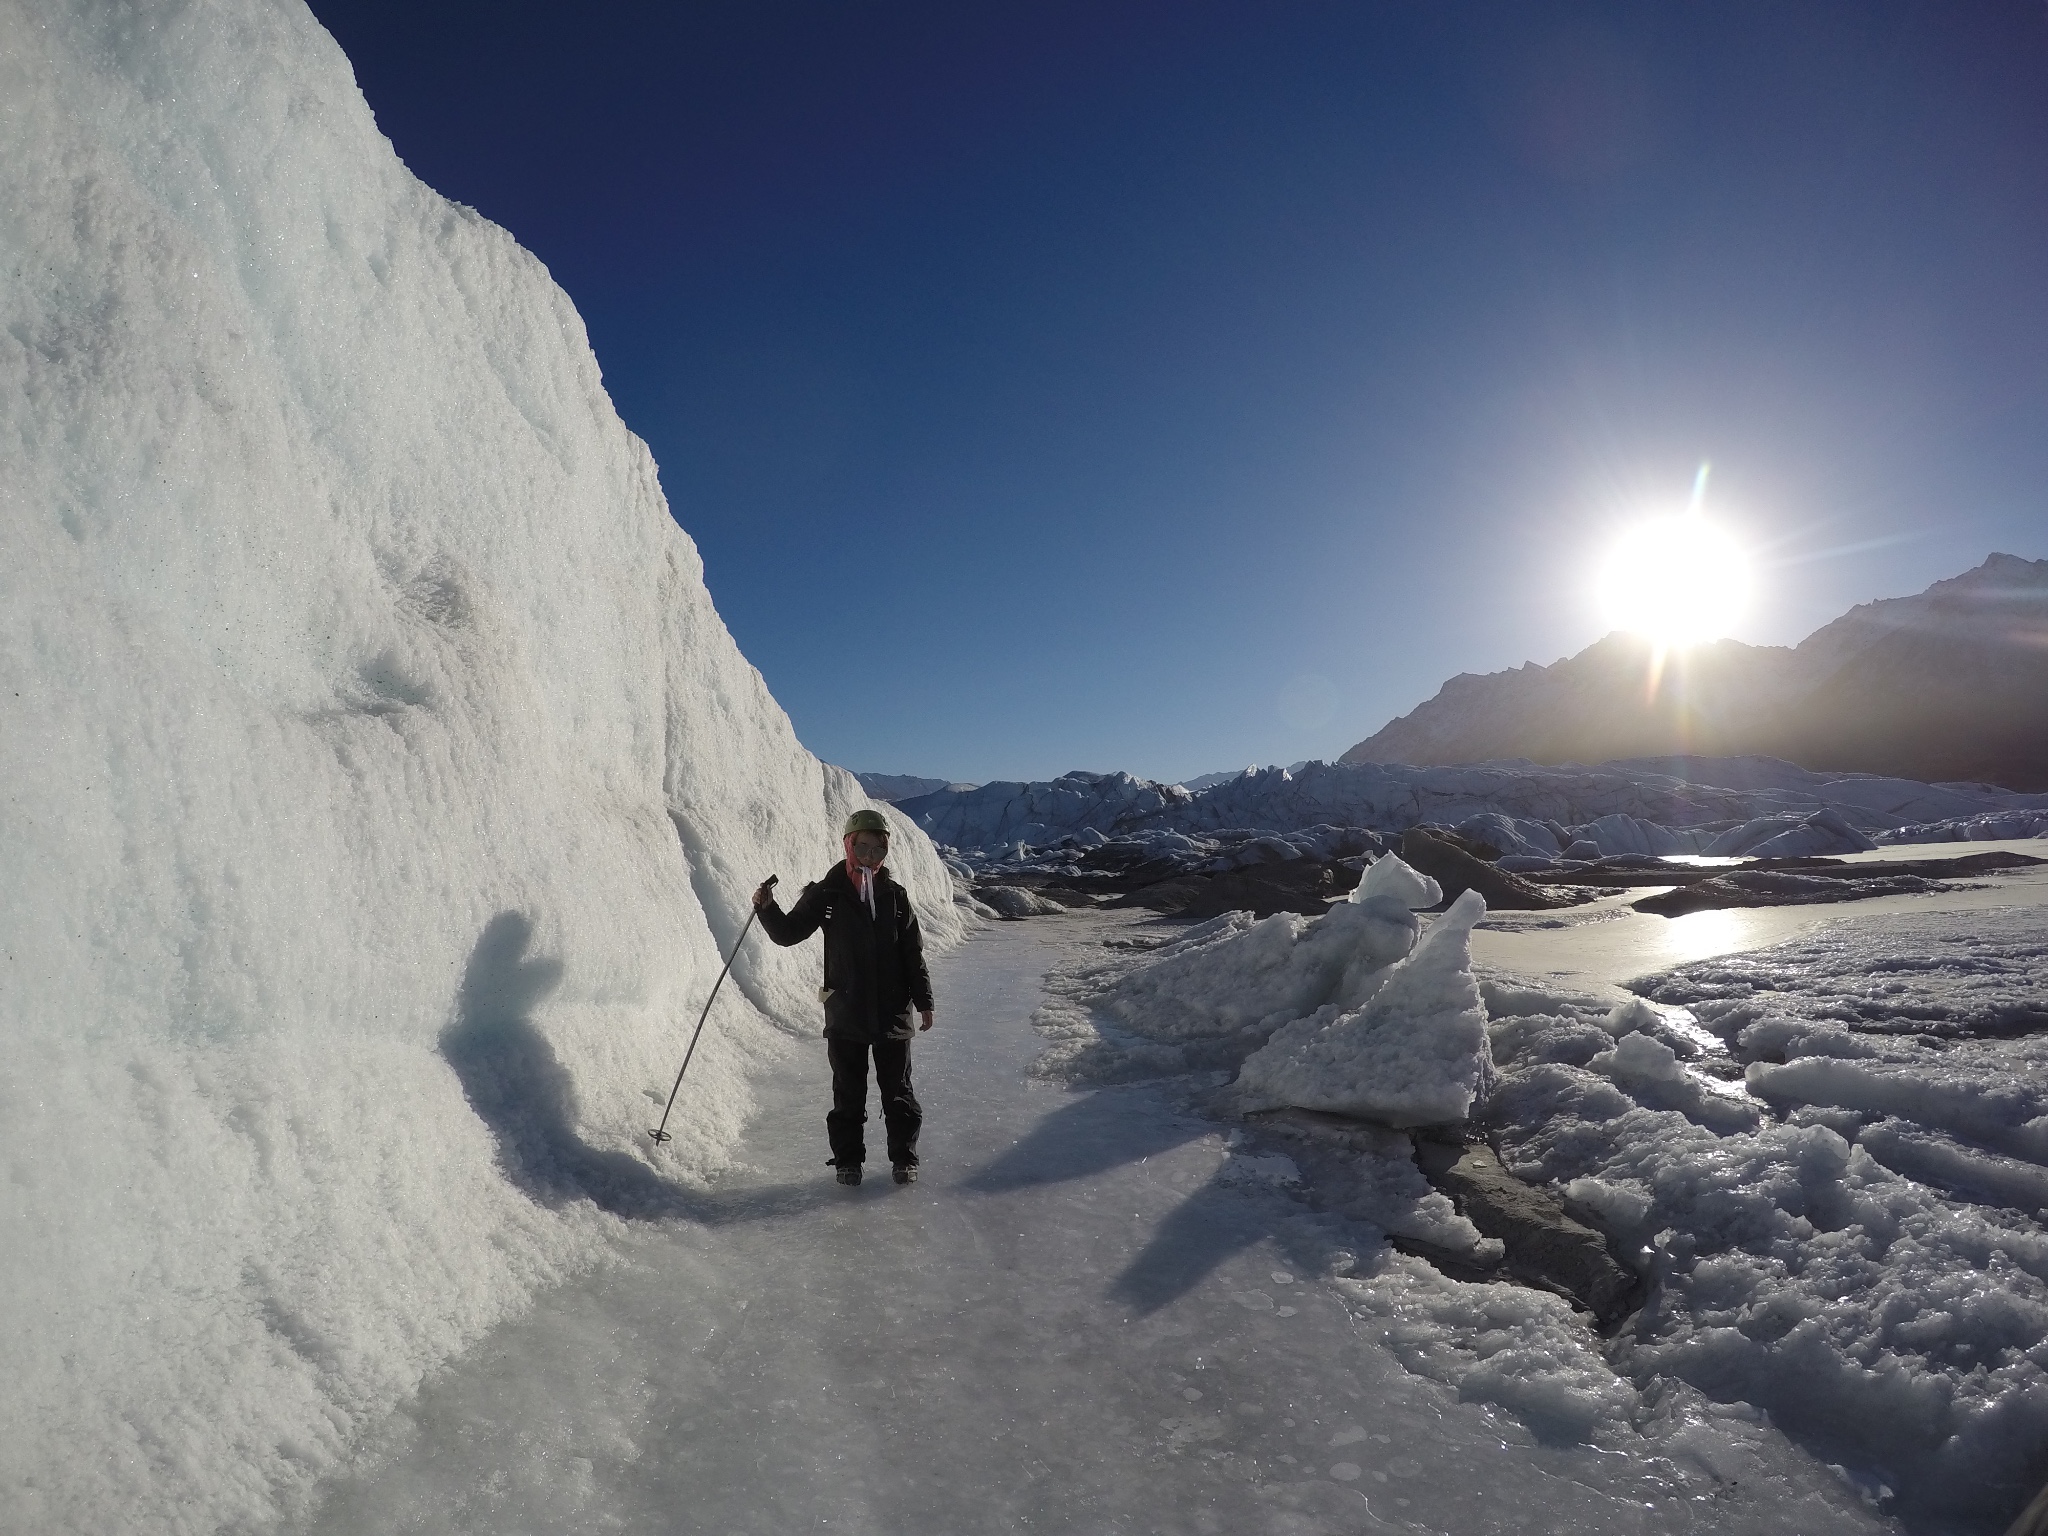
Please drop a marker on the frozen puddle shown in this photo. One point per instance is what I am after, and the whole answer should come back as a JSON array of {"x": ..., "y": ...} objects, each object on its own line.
[{"x": 1081, "y": 1320}]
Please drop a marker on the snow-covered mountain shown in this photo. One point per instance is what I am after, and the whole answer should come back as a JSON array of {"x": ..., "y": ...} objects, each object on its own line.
[
  {"x": 1084, "y": 809},
  {"x": 903, "y": 786},
  {"x": 381, "y": 783},
  {"x": 1950, "y": 684}
]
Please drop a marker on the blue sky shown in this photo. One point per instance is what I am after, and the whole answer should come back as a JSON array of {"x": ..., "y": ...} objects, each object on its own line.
[{"x": 1173, "y": 386}]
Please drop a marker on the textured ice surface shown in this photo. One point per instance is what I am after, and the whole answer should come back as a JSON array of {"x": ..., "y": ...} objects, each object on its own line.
[
  {"x": 1997, "y": 826},
  {"x": 1390, "y": 878},
  {"x": 1850, "y": 1239},
  {"x": 1334, "y": 1013},
  {"x": 1790, "y": 836},
  {"x": 1935, "y": 973},
  {"x": 381, "y": 784}
]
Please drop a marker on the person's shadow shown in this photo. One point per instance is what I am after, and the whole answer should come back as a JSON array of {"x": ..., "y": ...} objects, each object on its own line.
[
  {"x": 520, "y": 1090},
  {"x": 518, "y": 1087}
]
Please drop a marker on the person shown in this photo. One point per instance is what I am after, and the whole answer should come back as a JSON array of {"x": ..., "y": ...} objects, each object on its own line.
[{"x": 874, "y": 975}]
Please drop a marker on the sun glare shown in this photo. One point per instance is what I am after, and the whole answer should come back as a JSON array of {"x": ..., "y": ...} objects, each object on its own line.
[{"x": 1677, "y": 580}]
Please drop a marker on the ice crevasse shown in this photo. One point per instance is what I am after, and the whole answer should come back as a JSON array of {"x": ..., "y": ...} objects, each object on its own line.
[{"x": 381, "y": 785}]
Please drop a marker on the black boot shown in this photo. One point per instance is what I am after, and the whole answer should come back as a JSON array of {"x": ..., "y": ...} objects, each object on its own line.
[
  {"x": 905, "y": 1173},
  {"x": 849, "y": 1173}
]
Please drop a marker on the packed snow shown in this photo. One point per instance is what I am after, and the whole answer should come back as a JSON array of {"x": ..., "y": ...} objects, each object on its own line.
[{"x": 382, "y": 785}]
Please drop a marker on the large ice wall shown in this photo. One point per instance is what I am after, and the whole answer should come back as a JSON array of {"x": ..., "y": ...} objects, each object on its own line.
[{"x": 380, "y": 781}]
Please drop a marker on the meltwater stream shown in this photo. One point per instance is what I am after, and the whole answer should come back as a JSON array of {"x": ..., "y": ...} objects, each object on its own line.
[{"x": 1073, "y": 1323}]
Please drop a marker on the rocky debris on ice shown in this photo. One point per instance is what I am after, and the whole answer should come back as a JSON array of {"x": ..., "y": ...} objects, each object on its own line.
[
  {"x": 1528, "y": 814},
  {"x": 1458, "y": 871},
  {"x": 1542, "y": 1243},
  {"x": 1233, "y": 869},
  {"x": 1778, "y": 888},
  {"x": 1799, "y": 881},
  {"x": 1013, "y": 901}
]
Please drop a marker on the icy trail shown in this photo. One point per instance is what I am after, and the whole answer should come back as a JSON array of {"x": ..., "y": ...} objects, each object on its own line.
[{"x": 1083, "y": 1319}]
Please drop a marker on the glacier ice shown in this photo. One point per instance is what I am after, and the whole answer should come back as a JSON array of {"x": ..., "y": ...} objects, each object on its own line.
[
  {"x": 382, "y": 785},
  {"x": 1414, "y": 1054}
]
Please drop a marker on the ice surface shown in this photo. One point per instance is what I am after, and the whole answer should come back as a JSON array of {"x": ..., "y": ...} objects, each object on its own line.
[
  {"x": 1918, "y": 973},
  {"x": 382, "y": 784},
  {"x": 1996, "y": 827},
  {"x": 1095, "y": 1313}
]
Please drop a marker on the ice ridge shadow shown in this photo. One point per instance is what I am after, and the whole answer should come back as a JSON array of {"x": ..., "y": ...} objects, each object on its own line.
[
  {"x": 1111, "y": 1128},
  {"x": 1211, "y": 1225},
  {"x": 1094, "y": 1133},
  {"x": 520, "y": 1090}
]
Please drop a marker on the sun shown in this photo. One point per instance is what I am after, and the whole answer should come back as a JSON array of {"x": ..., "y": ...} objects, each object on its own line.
[{"x": 1675, "y": 580}]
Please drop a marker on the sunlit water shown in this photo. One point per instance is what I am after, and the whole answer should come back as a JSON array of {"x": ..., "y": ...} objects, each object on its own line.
[
  {"x": 1606, "y": 942},
  {"x": 1071, "y": 1325}
]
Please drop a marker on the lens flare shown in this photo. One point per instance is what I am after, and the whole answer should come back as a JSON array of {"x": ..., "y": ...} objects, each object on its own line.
[{"x": 1677, "y": 580}]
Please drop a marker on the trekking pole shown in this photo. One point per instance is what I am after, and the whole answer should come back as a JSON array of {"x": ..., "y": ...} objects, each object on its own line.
[{"x": 660, "y": 1132}]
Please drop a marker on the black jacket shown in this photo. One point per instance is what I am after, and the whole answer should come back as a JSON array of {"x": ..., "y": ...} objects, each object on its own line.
[{"x": 874, "y": 966}]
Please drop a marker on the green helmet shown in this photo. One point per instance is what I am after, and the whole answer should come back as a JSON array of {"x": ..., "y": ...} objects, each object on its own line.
[{"x": 867, "y": 821}]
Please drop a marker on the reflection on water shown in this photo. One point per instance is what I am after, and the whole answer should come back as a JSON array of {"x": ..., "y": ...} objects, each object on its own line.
[
  {"x": 1712, "y": 1054},
  {"x": 1606, "y": 942},
  {"x": 1717, "y": 931},
  {"x": 1633, "y": 944}
]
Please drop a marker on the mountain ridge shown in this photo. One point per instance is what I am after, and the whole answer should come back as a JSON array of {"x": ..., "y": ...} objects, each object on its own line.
[{"x": 1949, "y": 684}]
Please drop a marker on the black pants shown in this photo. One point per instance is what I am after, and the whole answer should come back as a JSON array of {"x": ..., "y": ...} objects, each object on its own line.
[{"x": 901, "y": 1114}]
